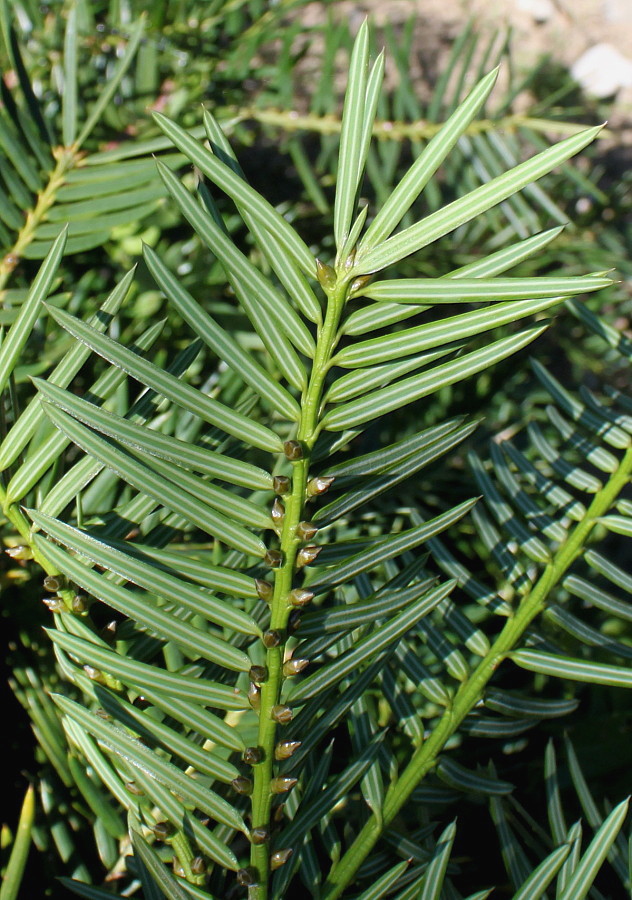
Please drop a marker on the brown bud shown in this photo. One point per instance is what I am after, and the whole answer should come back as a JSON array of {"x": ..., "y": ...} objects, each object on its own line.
[
  {"x": 300, "y": 597},
  {"x": 273, "y": 558},
  {"x": 358, "y": 283},
  {"x": 54, "y": 582},
  {"x": 259, "y": 835},
  {"x": 258, "y": 674},
  {"x": 319, "y": 485},
  {"x": 281, "y": 714},
  {"x": 247, "y": 877},
  {"x": 277, "y": 512},
  {"x": 282, "y": 784},
  {"x": 294, "y": 666},
  {"x": 350, "y": 260},
  {"x": 242, "y": 785},
  {"x": 293, "y": 450},
  {"x": 264, "y": 590},
  {"x": 306, "y": 555},
  {"x": 79, "y": 604},
  {"x": 163, "y": 830},
  {"x": 306, "y": 530},
  {"x": 254, "y": 696},
  {"x": 198, "y": 865},
  {"x": 294, "y": 621},
  {"x": 102, "y": 714},
  {"x": 252, "y": 755},
  {"x": 281, "y": 484},
  {"x": 285, "y": 749},
  {"x": 272, "y": 638},
  {"x": 133, "y": 788},
  {"x": 279, "y": 858},
  {"x": 326, "y": 275},
  {"x": 55, "y": 604}
]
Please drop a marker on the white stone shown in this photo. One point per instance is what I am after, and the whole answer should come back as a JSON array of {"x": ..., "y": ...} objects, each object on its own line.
[{"x": 602, "y": 71}]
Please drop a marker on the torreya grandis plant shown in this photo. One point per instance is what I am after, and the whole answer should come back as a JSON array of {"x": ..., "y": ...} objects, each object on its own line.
[{"x": 222, "y": 608}]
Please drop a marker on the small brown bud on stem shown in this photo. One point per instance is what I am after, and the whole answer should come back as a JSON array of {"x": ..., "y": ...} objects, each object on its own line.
[
  {"x": 293, "y": 450},
  {"x": 306, "y": 530},
  {"x": 258, "y": 674},
  {"x": 272, "y": 638},
  {"x": 198, "y": 865},
  {"x": 259, "y": 835},
  {"x": 254, "y": 696},
  {"x": 163, "y": 830},
  {"x": 246, "y": 877},
  {"x": 278, "y": 512},
  {"x": 282, "y": 784},
  {"x": 300, "y": 597},
  {"x": 285, "y": 749},
  {"x": 294, "y": 666},
  {"x": 281, "y": 484},
  {"x": 252, "y": 755},
  {"x": 273, "y": 558},
  {"x": 307, "y": 555},
  {"x": 319, "y": 485},
  {"x": 54, "y": 582},
  {"x": 279, "y": 858},
  {"x": 242, "y": 785},
  {"x": 264, "y": 590},
  {"x": 281, "y": 714}
]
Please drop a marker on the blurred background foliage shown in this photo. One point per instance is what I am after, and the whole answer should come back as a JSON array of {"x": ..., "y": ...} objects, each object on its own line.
[{"x": 274, "y": 82}]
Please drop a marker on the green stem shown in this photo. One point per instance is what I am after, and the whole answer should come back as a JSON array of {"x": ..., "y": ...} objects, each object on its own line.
[
  {"x": 66, "y": 159},
  {"x": 471, "y": 691},
  {"x": 285, "y": 575}
]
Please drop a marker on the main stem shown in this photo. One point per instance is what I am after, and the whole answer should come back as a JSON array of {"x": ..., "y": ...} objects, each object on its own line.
[
  {"x": 471, "y": 691},
  {"x": 284, "y": 582}
]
